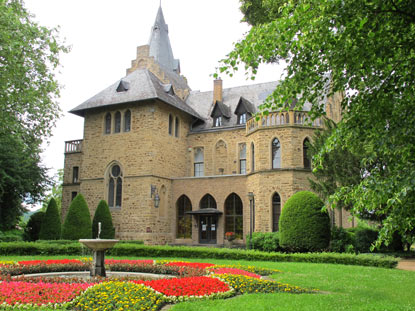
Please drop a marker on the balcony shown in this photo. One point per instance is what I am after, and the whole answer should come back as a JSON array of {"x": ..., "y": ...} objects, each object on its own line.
[
  {"x": 73, "y": 146},
  {"x": 282, "y": 119}
]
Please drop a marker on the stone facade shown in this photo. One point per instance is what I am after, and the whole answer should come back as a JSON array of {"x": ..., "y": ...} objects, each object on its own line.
[{"x": 155, "y": 147}]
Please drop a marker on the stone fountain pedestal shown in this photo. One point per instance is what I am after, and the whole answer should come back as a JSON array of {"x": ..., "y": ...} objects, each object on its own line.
[{"x": 99, "y": 247}]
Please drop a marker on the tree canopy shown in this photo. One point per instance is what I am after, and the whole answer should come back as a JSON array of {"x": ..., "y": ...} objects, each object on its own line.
[
  {"x": 365, "y": 50},
  {"x": 29, "y": 55}
]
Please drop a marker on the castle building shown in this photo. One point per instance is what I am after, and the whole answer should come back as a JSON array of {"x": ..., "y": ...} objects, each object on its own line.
[{"x": 184, "y": 167}]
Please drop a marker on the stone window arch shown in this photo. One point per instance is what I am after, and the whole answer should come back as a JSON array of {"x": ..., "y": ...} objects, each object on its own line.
[
  {"x": 276, "y": 211},
  {"x": 108, "y": 123},
  {"x": 184, "y": 221},
  {"x": 276, "y": 153},
  {"x": 207, "y": 202},
  {"x": 127, "y": 121},
  {"x": 306, "y": 156},
  {"x": 117, "y": 122},
  {"x": 115, "y": 183},
  {"x": 234, "y": 215}
]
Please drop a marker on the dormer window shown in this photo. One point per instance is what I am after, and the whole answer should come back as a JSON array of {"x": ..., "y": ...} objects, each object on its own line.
[
  {"x": 242, "y": 118},
  {"x": 123, "y": 86},
  {"x": 217, "y": 121},
  {"x": 244, "y": 110},
  {"x": 219, "y": 112}
]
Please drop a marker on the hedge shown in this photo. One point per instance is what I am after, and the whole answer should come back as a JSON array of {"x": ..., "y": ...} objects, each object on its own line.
[
  {"x": 51, "y": 223},
  {"x": 137, "y": 250},
  {"x": 77, "y": 224},
  {"x": 103, "y": 215}
]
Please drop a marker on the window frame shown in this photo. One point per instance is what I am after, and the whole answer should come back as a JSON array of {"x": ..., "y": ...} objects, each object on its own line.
[
  {"x": 276, "y": 153},
  {"x": 198, "y": 166},
  {"x": 306, "y": 158},
  {"x": 242, "y": 160},
  {"x": 117, "y": 122},
  {"x": 176, "y": 127},
  {"x": 127, "y": 125},
  {"x": 186, "y": 229},
  {"x": 231, "y": 202},
  {"x": 108, "y": 123},
  {"x": 75, "y": 174},
  {"x": 115, "y": 186},
  {"x": 275, "y": 214},
  {"x": 170, "y": 124}
]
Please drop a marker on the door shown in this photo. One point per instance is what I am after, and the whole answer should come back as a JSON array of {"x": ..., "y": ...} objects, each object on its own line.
[{"x": 207, "y": 229}]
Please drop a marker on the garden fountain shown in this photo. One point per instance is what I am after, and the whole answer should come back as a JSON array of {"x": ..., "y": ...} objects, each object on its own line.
[{"x": 99, "y": 247}]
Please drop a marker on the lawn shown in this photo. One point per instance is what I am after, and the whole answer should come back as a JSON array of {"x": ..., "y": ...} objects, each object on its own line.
[{"x": 342, "y": 288}]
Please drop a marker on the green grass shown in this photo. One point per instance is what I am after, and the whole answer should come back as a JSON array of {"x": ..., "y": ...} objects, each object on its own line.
[{"x": 343, "y": 288}]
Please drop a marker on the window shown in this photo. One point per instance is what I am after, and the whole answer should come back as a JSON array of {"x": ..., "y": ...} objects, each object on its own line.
[
  {"x": 176, "y": 127},
  {"x": 184, "y": 221},
  {"x": 207, "y": 202},
  {"x": 276, "y": 153},
  {"x": 217, "y": 121},
  {"x": 75, "y": 174},
  {"x": 115, "y": 186},
  {"x": 234, "y": 215},
  {"x": 276, "y": 211},
  {"x": 108, "y": 123},
  {"x": 306, "y": 156},
  {"x": 242, "y": 158},
  {"x": 170, "y": 124},
  {"x": 252, "y": 157},
  {"x": 127, "y": 121},
  {"x": 117, "y": 128},
  {"x": 73, "y": 195},
  {"x": 242, "y": 118},
  {"x": 199, "y": 162}
]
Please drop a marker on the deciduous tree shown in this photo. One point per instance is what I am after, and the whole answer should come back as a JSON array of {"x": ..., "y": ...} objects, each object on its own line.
[{"x": 365, "y": 49}]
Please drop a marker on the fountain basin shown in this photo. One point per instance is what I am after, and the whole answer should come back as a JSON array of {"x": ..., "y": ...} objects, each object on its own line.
[{"x": 99, "y": 244}]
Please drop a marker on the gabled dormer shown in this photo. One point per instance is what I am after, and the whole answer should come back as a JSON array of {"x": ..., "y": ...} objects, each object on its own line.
[
  {"x": 220, "y": 114},
  {"x": 244, "y": 110}
]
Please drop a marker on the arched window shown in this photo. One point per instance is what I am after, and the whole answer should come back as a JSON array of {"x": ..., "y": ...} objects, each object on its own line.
[
  {"x": 306, "y": 156},
  {"x": 207, "y": 202},
  {"x": 176, "y": 127},
  {"x": 127, "y": 121},
  {"x": 234, "y": 215},
  {"x": 276, "y": 211},
  {"x": 108, "y": 123},
  {"x": 170, "y": 124},
  {"x": 252, "y": 157},
  {"x": 276, "y": 153},
  {"x": 117, "y": 126},
  {"x": 115, "y": 186},
  {"x": 199, "y": 162},
  {"x": 184, "y": 221}
]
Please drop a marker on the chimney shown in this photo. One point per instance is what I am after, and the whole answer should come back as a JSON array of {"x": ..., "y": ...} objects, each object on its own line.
[{"x": 217, "y": 90}]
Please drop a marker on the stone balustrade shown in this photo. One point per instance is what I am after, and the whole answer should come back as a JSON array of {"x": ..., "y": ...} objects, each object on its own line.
[
  {"x": 282, "y": 119},
  {"x": 73, "y": 146}
]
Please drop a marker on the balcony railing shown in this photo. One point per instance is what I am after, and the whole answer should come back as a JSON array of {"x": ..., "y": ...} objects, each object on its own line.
[
  {"x": 282, "y": 118},
  {"x": 73, "y": 146}
]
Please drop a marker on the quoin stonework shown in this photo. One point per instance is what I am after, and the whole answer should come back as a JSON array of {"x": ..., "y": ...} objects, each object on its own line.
[{"x": 175, "y": 165}]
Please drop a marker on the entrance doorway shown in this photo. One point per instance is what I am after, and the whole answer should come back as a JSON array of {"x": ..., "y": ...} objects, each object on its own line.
[{"x": 208, "y": 225}]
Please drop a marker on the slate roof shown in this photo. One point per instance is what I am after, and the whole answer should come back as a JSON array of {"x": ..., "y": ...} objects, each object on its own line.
[
  {"x": 160, "y": 47},
  {"x": 143, "y": 85}
]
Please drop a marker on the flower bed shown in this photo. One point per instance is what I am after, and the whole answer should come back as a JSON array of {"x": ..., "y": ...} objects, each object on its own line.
[{"x": 196, "y": 281}]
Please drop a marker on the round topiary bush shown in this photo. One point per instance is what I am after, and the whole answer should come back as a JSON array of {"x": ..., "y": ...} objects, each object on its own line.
[
  {"x": 77, "y": 224},
  {"x": 303, "y": 225},
  {"x": 51, "y": 223},
  {"x": 103, "y": 215}
]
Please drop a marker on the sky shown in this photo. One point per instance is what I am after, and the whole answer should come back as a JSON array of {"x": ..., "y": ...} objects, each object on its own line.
[{"x": 104, "y": 34}]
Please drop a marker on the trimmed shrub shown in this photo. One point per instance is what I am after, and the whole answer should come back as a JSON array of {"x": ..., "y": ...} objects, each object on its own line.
[
  {"x": 265, "y": 241},
  {"x": 51, "y": 224},
  {"x": 77, "y": 223},
  {"x": 303, "y": 225},
  {"x": 11, "y": 235},
  {"x": 137, "y": 250},
  {"x": 341, "y": 239},
  {"x": 32, "y": 229},
  {"x": 364, "y": 238},
  {"x": 103, "y": 215}
]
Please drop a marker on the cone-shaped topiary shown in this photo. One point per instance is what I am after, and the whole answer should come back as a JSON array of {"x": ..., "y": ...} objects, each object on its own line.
[
  {"x": 77, "y": 224},
  {"x": 51, "y": 223},
  {"x": 33, "y": 226},
  {"x": 303, "y": 225},
  {"x": 103, "y": 215}
]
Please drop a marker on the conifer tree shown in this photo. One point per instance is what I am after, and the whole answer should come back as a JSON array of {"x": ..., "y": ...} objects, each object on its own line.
[
  {"x": 51, "y": 224},
  {"x": 77, "y": 223},
  {"x": 103, "y": 215}
]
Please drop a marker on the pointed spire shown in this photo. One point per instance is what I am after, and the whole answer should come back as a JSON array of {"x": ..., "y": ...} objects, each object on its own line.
[{"x": 159, "y": 43}]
